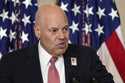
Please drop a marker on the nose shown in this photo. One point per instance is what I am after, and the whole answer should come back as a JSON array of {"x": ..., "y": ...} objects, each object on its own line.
[{"x": 61, "y": 35}]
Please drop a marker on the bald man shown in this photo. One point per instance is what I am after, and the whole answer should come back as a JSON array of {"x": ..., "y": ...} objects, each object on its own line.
[{"x": 73, "y": 64}]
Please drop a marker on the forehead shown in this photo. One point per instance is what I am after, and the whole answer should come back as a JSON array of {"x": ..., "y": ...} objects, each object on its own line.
[
  {"x": 51, "y": 16},
  {"x": 54, "y": 20}
]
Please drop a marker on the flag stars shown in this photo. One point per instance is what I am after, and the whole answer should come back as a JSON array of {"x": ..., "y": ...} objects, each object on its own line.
[
  {"x": 99, "y": 30},
  {"x": 13, "y": 18},
  {"x": 113, "y": 14},
  {"x": 74, "y": 27},
  {"x": 36, "y": 4},
  {"x": 26, "y": 20},
  {"x": 12, "y": 35},
  {"x": 87, "y": 28},
  {"x": 69, "y": 42},
  {"x": 16, "y": 1},
  {"x": 4, "y": 15},
  {"x": 88, "y": 11},
  {"x": 24, "y": 37},
  {"x": 64, "y": 6},
  {"x": 101, "y": 12},
  {"x": 5, "y": 1},
  {"x": 27, "y": 3},
  {"x": 3, "y": 33},
  {"x": 76, "y": 9}
]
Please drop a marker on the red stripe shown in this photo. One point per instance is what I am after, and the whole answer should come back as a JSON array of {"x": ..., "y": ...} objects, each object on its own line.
[{"x": 117, "y": 52}]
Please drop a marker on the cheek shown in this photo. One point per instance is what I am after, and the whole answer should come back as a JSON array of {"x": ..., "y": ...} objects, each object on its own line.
[
  {"x": 47, "y": 39},
  {"x": 67, "y": 36}
]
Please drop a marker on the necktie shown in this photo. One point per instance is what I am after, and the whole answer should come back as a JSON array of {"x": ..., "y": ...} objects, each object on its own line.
[{"x": 53, "y": 76}]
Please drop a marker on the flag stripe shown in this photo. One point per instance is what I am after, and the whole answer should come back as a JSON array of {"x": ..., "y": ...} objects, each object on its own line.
[
  {"x": 117, "y": 52},
  {"x": 120, "y": 36},
  {"x": 107, "y": 60}
]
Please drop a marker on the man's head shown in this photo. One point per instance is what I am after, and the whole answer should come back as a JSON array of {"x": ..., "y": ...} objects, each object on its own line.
[{"x": 51, "y": 28}]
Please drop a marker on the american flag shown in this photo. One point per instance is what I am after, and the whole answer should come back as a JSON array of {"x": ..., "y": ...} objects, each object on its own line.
[
  {"x": 96, "y": 23},
  {"x": 16, "y": 24}
]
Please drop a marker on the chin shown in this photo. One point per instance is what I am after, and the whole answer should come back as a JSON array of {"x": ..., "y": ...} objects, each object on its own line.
[{"x": 61, "y": 52}]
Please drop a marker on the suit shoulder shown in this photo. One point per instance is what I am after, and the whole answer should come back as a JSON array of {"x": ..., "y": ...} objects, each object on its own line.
[
  {"x": 17, "y": 55},
  {"x": 83, "y": 52},
  {"x": 81, "y": 48}
]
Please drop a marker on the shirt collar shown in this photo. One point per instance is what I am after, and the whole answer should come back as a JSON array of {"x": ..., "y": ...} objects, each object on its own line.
[{"x": 44, "y": 55}]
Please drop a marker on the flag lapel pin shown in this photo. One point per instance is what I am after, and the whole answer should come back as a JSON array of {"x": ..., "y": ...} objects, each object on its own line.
[{"x": 73, "y": 61}]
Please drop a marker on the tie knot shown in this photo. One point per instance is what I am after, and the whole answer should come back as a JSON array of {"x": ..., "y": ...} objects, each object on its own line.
[{"x": 53, "y": 60}]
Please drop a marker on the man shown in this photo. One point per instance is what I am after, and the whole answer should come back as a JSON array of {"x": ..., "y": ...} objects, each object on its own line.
[{"x": 73, "y": 64}]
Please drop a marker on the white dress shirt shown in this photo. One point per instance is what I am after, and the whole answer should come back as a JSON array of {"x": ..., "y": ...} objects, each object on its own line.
[{"x": 45, "y": 57}]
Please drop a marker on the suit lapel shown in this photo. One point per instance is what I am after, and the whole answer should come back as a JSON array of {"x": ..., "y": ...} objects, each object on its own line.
[
  {"x": 36, "y": 75},
  {"x": 67, "y": 69},
  {"x": 71, "y": 72},
  {"x": 71, "y": 67}
]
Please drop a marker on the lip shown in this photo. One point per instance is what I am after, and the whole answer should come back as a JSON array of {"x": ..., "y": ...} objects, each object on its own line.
[{"x": 61, "y": 45}]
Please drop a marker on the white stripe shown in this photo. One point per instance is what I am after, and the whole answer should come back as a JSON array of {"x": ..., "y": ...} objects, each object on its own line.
[
  {"x": 108, "y": 62},
  {"x": 119, "y": 34},
  {"x": 0, "y": 55}
]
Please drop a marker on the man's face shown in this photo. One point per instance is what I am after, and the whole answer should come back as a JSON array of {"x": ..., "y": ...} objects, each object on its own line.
[{"x": 54, "y": 34}]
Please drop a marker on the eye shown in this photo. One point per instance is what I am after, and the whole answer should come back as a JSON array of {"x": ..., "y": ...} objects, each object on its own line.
[
  {"x": 66, "y": 28},
  {"x": 53, "y": 30}
]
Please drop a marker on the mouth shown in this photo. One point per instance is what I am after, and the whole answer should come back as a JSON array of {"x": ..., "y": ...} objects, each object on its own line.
[{"x": 62, "y": 45}]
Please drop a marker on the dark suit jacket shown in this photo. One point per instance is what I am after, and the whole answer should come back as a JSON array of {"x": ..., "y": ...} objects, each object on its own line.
[{"x": 23, "y": 66}]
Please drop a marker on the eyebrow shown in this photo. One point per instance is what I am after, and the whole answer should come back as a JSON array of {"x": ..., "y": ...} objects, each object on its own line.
[
  {"x": 57, "y": 27},
  {"x": 66, "y": 25}
]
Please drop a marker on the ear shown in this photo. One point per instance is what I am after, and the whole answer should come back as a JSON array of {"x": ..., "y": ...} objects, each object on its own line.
[{"x": 37, "y": 32}]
